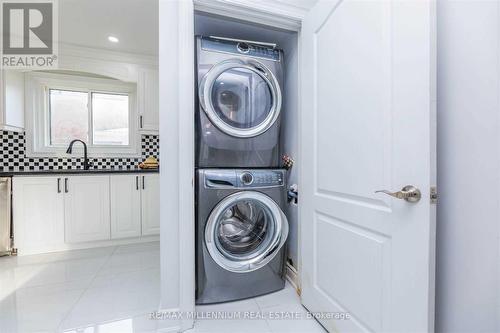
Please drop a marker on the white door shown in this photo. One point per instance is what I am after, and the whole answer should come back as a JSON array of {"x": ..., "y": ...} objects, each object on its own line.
[
  {"x": 86, "y": 208},
  {"x": 150, "y": 201},
  {"x": 125, "y": 206},
  {"x": 367, "y": 124},
  {"x": 38, "y": 213}
]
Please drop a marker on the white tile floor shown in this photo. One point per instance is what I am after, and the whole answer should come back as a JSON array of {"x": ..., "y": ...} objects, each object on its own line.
[
  {"x": 114, "y": 290},
  {"x": 110, "y": 289},
  {"x": 271, "y": 314}
]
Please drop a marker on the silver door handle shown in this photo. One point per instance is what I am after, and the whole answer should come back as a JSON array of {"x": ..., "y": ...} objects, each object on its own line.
[{"x": 408, "y": 193}]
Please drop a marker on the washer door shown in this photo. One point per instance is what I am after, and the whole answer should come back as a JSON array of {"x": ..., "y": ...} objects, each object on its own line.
[
  {"x": 245, "y": 231},
  {"x": 243, "y": 99}
]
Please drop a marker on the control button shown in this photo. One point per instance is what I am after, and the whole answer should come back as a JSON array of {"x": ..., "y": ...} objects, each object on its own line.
[
  {"x": 246, "y": 178},
  {"x": 243, "y": 47}
]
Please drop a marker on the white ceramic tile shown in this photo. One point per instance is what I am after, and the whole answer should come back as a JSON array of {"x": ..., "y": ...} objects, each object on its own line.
[
  {"x": 244, "y": 309},
  {"x": 96, "y": 290},
  {"x": 231, "y": 326},
  {"x": 138, "y": 324},
  {"x": 39, "y": 309},
  {"x": 285, "y": 296},
  {"x": 139, "y": 247},
  {"x": 64, "y": 271},
  {"x": 291, "y": 318},
  {"x": 116, "y": 297},
  {"x": 123, "y": 262},
  {"x": 243, "y": 305}
]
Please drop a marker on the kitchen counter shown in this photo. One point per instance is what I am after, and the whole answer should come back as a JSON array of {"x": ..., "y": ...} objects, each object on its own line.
[{"x": 75, "y": 172}]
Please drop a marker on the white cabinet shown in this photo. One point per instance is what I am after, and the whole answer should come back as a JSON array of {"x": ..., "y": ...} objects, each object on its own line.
[
  {"x": 86, "y": 208},
  {"x": 125, "y": 206},
  {"x": 56, "y": 213},
  {"x": 150, "y": 202},
  {"x": 148, "y": 91},
  {"x": 12, "y": 100},
  {"x": 38, "y": 212}
]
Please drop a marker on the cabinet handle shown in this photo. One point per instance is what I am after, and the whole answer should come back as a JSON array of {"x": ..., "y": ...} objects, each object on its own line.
[
  {"x": 137, "y": 183},
  {"x": 140, "y": 121},
  {"x": 66, "y": 185},
  {"x": 143, "y": 185},
  {"x": 58, "y": 185}
]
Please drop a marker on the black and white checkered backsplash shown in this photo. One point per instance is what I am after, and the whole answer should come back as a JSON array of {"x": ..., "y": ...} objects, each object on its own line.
[{"x": 13, "y": 156}]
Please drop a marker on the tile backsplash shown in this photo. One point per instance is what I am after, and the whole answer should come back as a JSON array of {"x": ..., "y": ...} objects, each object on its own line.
[{"x": 13, "y": 156}]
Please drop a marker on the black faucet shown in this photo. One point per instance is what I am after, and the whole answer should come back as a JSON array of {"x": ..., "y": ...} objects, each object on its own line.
[{"x": 86, "y": 164}]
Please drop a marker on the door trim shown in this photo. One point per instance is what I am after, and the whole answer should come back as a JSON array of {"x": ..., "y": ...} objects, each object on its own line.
[
  {"x": 177, "y": 128},
  {"x": 272, "y": 13}
]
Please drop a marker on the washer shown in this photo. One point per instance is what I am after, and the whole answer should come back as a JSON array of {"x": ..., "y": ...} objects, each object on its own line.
[
  {"x": 239, "y": 104},
  {"x": 241, "y": 234}
]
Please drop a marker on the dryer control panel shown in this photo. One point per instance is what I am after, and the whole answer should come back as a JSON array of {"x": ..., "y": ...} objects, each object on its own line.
[
  {"x": 222, "y": 178},
  {"x": 240, "y": 48}
]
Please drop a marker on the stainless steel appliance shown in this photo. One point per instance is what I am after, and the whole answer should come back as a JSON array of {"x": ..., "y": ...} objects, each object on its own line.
[
  {"x": 239, "y": 103},
  {"x": 241, "y": 234},
  {"x": 5, "y": 216}
]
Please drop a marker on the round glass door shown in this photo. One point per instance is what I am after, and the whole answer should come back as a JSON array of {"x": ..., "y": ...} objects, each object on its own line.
[
  {"x": 245, "y": 231},
  {"x": 241, "y": 99}
]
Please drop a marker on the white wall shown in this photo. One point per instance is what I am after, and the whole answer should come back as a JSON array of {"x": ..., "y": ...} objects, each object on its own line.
[{"x": 468, "y": 167}]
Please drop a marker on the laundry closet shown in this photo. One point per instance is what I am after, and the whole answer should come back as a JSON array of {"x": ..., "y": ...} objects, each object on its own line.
[
  {"x": 357, "y": 117},
  {"x": 246, "y": 115}
]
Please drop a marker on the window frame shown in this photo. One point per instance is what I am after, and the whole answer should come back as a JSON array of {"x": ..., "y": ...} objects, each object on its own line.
[{"x": 38, "y": 86}]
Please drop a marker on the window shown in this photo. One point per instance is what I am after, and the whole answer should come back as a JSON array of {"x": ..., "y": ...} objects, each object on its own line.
[
  {"x": 68, "y": 116},
  {"x": 100, "y": 112},
  {"x": 110, "y": 119}
]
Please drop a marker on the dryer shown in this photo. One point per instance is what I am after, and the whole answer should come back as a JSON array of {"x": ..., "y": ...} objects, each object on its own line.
[
  {"x": 239, "y": 103},
  {"x": 241, "y": 234}
]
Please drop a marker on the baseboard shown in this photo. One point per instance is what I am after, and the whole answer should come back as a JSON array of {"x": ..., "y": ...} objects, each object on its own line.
[
  {"x": 292, "y": 277},
  {"x": 23, "y": 251}
]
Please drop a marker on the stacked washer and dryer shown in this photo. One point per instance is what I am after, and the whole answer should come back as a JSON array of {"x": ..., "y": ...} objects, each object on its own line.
[{"x": 241, "y": 229}]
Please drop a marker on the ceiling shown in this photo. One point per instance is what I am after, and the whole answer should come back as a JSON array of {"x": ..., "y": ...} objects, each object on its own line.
[
  {"x": 89, "y": 23},
  {"x": 134, "y": 22}
]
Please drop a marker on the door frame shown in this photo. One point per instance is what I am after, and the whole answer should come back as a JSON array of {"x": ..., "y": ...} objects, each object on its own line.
[{"x": 177, "y": 177}]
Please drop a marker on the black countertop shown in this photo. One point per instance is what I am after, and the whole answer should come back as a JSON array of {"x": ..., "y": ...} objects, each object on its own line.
[{"x": 75, "y": 172}]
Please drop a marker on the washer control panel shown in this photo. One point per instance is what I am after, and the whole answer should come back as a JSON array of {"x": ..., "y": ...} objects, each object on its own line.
[
  {"x": 261, "y": 178},
  {"x": 227, "y": 178}
]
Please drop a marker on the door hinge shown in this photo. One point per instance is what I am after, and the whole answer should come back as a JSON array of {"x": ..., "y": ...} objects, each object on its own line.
[{"x": 434, "y": 195}]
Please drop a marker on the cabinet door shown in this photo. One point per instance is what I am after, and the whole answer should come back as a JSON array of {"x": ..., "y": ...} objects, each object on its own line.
[
  {"x": 149, "y": 95},
  {"x": 38, "y": 212},
  {"x": 86, "y": 208},
  {"x": 12, "y": 100},
  {"x": 150, "y": 204},
  {"x": 125, "y": 206}
]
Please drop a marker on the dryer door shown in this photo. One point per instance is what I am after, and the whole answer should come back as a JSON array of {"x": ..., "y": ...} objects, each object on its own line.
[
  {"x": 245, "y": 231},
  {"x": 241, "y": 98}
]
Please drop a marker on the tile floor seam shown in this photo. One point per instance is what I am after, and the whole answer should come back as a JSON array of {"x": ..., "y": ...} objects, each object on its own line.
[
  {"x": 261, "y": 310},
  {"x": 73, "y": 306}
]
